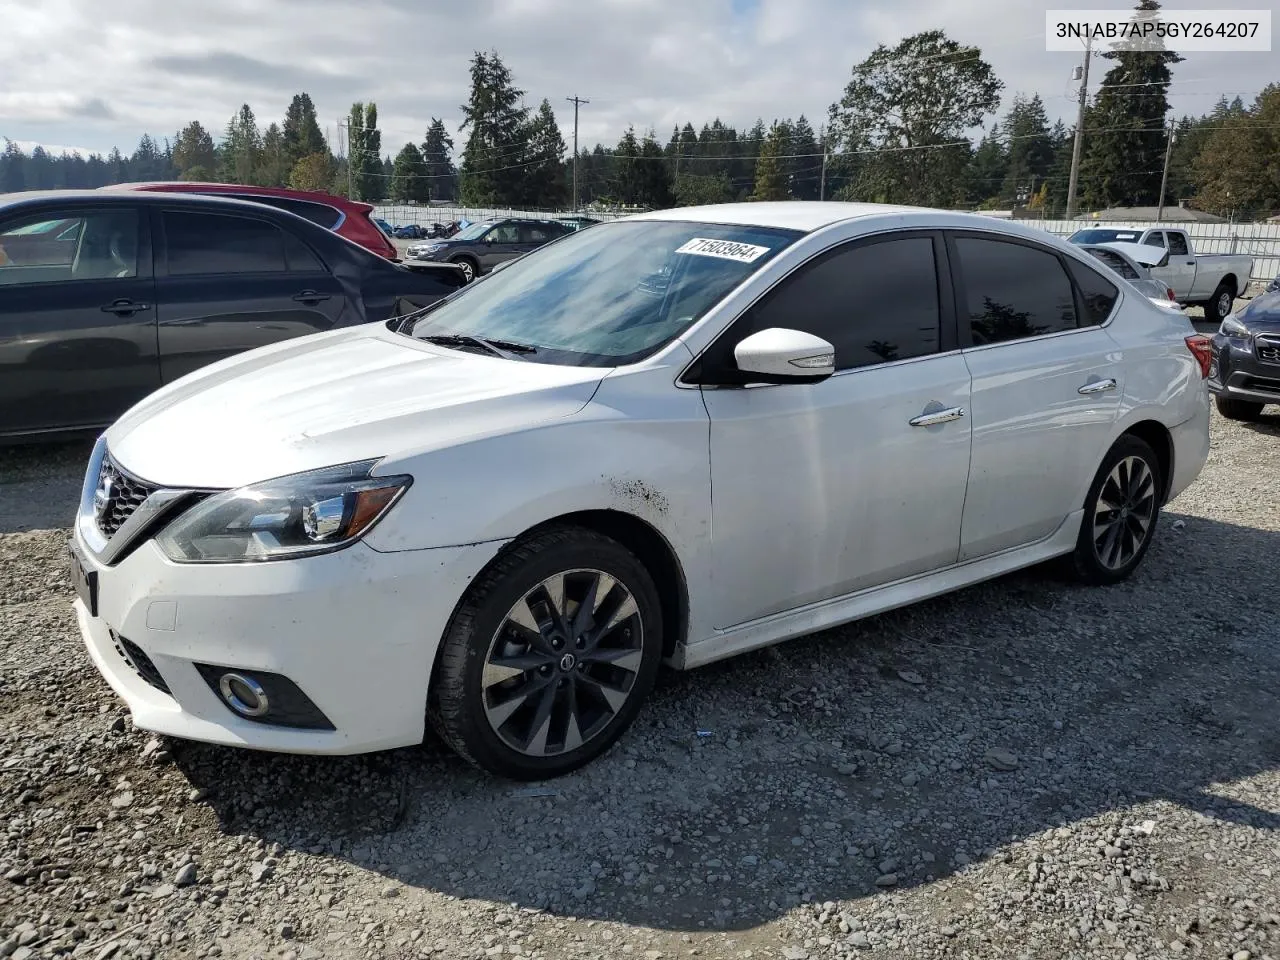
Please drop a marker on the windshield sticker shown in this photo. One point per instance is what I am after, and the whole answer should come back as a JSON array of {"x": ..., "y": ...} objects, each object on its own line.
[{"x": 724, "y": 249}]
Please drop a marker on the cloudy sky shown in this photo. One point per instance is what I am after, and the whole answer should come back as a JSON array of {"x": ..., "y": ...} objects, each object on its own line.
[{"x": 98, "y": 73}]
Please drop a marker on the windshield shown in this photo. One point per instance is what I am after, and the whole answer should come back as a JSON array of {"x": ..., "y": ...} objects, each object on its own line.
[
  {"x": 473, "y": 232},
  {"x": 1106, "y": 236},
  {"x": 610, "y": 295}
]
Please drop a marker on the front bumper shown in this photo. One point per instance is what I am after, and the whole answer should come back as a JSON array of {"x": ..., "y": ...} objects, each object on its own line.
[
  {"x": 1239, "y": 373},
  {"x": 356, "y": 631}
]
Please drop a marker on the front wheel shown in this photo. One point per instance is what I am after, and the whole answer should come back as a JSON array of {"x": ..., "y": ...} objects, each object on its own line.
[
  {"x": 1238, "y": 409},
  {"x": 468, "y": 269},
  {"x": 1120, "y": 513},
  {"x": 1219, "y": 304},
  {"x": 549, "y": 657}
]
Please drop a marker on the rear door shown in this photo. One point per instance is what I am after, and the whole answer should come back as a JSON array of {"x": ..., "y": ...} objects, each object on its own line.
[
  {"x": 1048, "y": 381},
  {"x": 77, "y": 318},
  {"x": 230, "y": 282}
]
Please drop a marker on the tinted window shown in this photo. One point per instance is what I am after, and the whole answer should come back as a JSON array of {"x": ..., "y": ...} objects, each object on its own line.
[
  {"x": 1013, "y": 291},
  {"x": 1104, "y": 236},
  {"x": 1117, "y": 263},
  {"x": 504, "y": 233},
  {"x": 207, "y": 243},
  {"x": 317, "y": 213},
  {"x": 1097, "y": 293},
  {"x": 841, "y": 299},
  {"x": 1155, "y": 240},
  {"x": 538, "y": 233},
  {"x": 50, "y": 248},
  {"x": 299, "y": 257},
  {"x": 1178, "y": 245}
]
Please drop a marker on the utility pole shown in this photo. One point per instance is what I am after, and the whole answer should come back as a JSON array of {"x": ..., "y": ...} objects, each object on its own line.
[
  {"x": 822, "y": 183},
  {"x": 1075, "y": 151},
  {"x": 577, "y": 102},
  {"x": 1164, "y": 180},
  {"x": 345, "y": 127}
]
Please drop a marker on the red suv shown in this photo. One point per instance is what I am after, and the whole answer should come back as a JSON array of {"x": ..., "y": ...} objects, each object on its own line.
[{"x": 347, "y": 218}]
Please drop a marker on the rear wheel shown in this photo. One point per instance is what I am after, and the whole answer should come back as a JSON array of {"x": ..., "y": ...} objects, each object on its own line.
[
  {"x": 1238, "y": 409},
  {"x": 1120, "y": 513},
  {"x": 1220, "y": 303},
  {"x": 549, "y": 657}
]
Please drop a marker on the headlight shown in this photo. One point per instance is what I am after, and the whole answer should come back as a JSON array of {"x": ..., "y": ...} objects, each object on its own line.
[
  {"x": 1231, "y": 327},
  {"x": 296, "y": 516}
]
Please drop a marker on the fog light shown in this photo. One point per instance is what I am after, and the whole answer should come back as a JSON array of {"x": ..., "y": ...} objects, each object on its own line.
[{"x": 243, "y": 694}]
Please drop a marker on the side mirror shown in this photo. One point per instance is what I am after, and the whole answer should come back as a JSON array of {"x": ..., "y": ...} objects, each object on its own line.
[{"x": 779, "y": 355}]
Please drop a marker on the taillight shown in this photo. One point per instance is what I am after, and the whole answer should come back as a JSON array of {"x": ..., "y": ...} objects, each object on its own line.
[
  {"x": 1168, "y": 291},
  {"x": 1201, "y": 348}
]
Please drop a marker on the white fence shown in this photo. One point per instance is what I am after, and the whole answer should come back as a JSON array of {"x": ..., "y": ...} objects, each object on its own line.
[
  {"x": 423, "y": 214},
  {"x": 1258, "y": 240}
]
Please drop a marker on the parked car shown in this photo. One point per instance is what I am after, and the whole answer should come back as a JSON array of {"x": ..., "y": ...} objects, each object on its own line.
[
  {"x": 1130, "y": 261},
  {"x": 1245, "y": 375},
  {"x": 477, "y": 249},
  {"x": 501, "y": 510},
  {"x": 385, "y": 227},
  {"x": 1273, "y": 286},
  {"x": 141, "y": 288},
  {"x": 348, "y": 218},
  {"x": 1211, "y": 281},
  {"x": 410, "y": 231}
]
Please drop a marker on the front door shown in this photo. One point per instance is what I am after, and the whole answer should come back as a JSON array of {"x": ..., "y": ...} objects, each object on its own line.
[
  {"x": 77, "y": 318},
  {"x": 230, "y": 283},
  {"x": 500, "y": 244},
  {"x": 821, "y": 490},
  {"x": 1048, "y": 383}
]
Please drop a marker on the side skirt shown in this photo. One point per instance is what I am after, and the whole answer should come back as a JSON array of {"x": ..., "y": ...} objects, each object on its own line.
[{"x": 826, "y": 614}]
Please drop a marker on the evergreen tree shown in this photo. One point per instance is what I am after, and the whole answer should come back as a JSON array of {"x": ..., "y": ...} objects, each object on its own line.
[
  {"x": 241, "y": 147},
  {"x": 1236, "y": 171},
  {"x": 771, "y": 176},
  {"x": 988, "y": 169},
  {"x": 1030, "y": 149},
  {"x": 193, "y": 153},
  {"x": 497, "y": 125},
  {"x": 148, "y": 163},
  {"x": 409, "y": 182},
  {"x": 1125, "y": 132},
  {"x": 314, "y": 172},
  {"x": 805, "y": 167},
  {"x": 1063, "y": 140},
  {"x": 13, "y": 178},
  {"x": 437, "y": 150},
  {"x": 544, "y": 176},
  {"x": 39, "y": 173},
  {"x": 302, "y": 136},
  {"x": 117, "y": 166},
  {"x": 364, "y": 153},
  {"x": 274, "y": 165}
]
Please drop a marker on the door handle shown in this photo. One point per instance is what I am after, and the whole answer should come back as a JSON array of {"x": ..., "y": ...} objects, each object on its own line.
[
  {"x": 310, "y": 296},
  {"x": 1191, "y": 263},
  {"x": 1098, "y": 386},
  {"x": 937, "y": 417},
  {"x": 124, "y": 307}
]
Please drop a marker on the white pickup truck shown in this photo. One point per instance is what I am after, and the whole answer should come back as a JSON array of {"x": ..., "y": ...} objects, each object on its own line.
[{"x": 1208, "y": 280}]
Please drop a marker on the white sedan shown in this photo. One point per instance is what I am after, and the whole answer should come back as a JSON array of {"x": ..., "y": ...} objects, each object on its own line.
[{"x": 667, "y": 439}]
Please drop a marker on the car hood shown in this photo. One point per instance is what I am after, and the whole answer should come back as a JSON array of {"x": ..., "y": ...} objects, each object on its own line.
[
  {"x": 333, "y": 398},
  {"x": 1261, "y": 314}
]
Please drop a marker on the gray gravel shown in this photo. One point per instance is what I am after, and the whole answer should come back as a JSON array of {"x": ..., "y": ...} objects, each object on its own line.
[{"x": 1024, "y": 769}]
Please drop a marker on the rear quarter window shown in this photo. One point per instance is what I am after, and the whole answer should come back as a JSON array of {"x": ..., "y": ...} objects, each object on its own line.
[{"x": 1097, "y": 294}]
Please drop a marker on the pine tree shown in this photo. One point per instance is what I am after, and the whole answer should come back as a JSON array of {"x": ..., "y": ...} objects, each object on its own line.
[
  {"x": 365, "y": 153},
  {"x": 241, "y": 147},
  {"x": 13, "y": 177},
  {"x": 771, "y": 177},
  {"x": 491, "y": 172},
  {"x": 408, "y": 180},
  {"x": 274, "y": 165},
  {"x": 437, "y": 151},
  {"x": 302, "y": 136},
  {"x": 193, "y": 153},
  {"x": 1125, "y": 132},
  {"x": 544, "y": 176},
  {"x": 988, "y": 169},
  {"x": 805, "y": 167},
  {"x": 117, "y": 166},
  {"x": 1030, "y": 149}
]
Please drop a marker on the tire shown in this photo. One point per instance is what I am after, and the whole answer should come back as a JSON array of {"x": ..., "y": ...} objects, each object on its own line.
[
  {"x": 1242, "y": 410},
  {"x": 471, "y": 703},
  {"x": 1098, "y": 559},
  {"x": 469, "y": 268},
  {"x": 1219, "y": 305}
]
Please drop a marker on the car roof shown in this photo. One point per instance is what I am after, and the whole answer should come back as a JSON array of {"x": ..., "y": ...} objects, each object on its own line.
[
  {"x": 195, "y": 186},
  {"x": 805, "y": 215}
]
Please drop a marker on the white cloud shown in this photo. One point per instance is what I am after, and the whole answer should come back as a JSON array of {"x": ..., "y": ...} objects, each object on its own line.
[{"x": 75, "y": 73}]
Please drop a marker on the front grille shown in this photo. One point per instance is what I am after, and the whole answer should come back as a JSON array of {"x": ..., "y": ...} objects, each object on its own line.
[
  {"x": 1267, "y": 350},
  {"x": 137, "y": 658},
  {"x": 118, "y": 495}
]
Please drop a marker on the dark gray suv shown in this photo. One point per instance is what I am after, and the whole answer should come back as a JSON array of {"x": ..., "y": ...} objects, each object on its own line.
[{"x": 482, "y": 246}]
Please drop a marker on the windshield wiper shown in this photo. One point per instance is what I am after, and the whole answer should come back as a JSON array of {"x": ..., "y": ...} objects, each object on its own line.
[{"x": 506, "y": 349}]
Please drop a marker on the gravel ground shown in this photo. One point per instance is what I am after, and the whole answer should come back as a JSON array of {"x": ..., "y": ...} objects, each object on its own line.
[{"x": 1024, "y": 769}]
